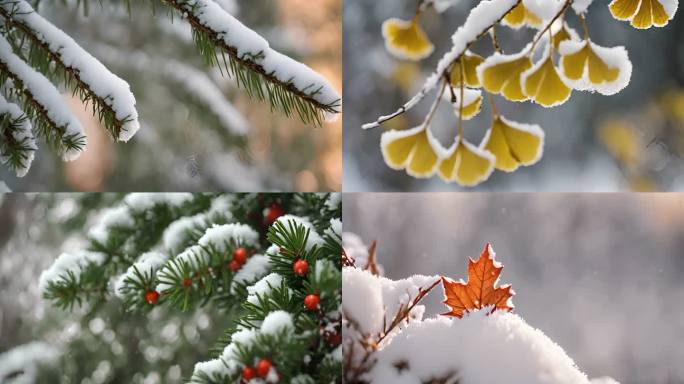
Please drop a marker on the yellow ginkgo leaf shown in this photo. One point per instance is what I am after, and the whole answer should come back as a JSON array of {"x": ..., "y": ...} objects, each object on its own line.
[
  {"x": 405, "y": 39},
  {"x": 470, "y": 63},
  {"x": 520, "y": 16},
  {"x": 467, "y": 164},
  {"x": 472, "y": 102},
  {"x": 587, "y": 66},
  {"x": 644, "y": 14},
  {"x": 543, "y": 85},
  {"x": 514, "y": 144},
  {"x": 622, "y": 141},
  {"x": 561, "y": 32},
  {"x": 411, "y": 149},
  {"x": 500, "y": 74}
]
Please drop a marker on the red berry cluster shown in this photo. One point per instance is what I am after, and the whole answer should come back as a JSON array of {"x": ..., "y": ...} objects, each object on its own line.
[
  {"x": 261, "y": 370},
  {"x": 239, "y": 259}
]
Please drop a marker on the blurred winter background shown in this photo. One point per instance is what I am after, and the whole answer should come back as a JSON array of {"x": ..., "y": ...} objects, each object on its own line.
[
  {"x": 183, "y": 145},
  {"x": 600, "y": 274},
  {"x": 630, "y": 141},
  {"x": 109, "y": 346}
]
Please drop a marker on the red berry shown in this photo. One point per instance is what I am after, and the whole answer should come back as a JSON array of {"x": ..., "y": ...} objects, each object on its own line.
[
  {"x": 187, "y": 282},
  {"x": 152, "y": 297},
  {"x": 273, "y": 213},
  {"x": 301, "y": 267},
  {"x": 334, "y": 338},
  {"x": 311, "y": 302},
  {"x": 263, "y": 366},
  {"x": 234, "y": 266},
  {"x": 248, "y": 373},
  {"x": 240, "y": 255}
]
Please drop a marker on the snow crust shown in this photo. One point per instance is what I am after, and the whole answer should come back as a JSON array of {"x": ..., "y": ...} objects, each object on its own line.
[
  {"x": 221, "y": 237},
  {"x": 253, "y": 47},
  {"x": 112, "y": 89},
  {"x": 69, "y": 262},
  {"x": 44, "y": 93},
  {"x": 277, "y": 322},
  {"x": 22, "y": 134},
  {"x": 149, "y": 262},
  {"x": 442, "y": 346},
  {"x": 314, "y": 237}
]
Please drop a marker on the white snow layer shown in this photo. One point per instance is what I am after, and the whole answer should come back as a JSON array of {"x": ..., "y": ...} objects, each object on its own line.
[
  {"x": 277, "y": 322},
  {"x": 24, "y": 360},
  {"x": 176, "y": 233},
  {"x": 69, "y": 262},
  {"x": 45, "y": 94},
  {"x": 263, "y": 287},
  {"x": 117, "y": 217},
  {"x": 223, "y": 236},
  {"x": 251, "y": 46},
  {"x": 314, "y": 237},
  {"x": 255, "y": 267},
  {"x": 334, "y": 200},
  {"x": 580, "y": 6},
  {"x": 113, "y": 90},
  {"x": 470, "y": 347},
  {"x": 22, "y": 135},
  {"x": 142, "y": 201},
  {"x": 148, "y": 262},
  {"x": 544, "y": 9}
]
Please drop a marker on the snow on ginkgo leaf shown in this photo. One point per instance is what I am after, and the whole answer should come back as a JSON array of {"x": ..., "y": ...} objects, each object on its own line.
[
  {"x": 643, "y": 14},
  {"x": 470, "y": 63},
  {"x": 480, "y": 291},
  {"x": 405, "y": 39},
  {"x": 543, "y": 85},
  {"x": 501, "y": 73},
  {"x": 410, "y": 149},
  {"x": 561, "y": 32},
  {"x": 587, "y": 66},
  {"x": 466, "y": 164},
  {"x": 514, "y": 144},
  {"x": 472, "y": 103},
  {"x": 520, "y": 16}
]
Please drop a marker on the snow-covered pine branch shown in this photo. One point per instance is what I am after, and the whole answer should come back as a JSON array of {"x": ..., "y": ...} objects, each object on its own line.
[
  {"x": 109, "y": 95},
  {"x": 43, "y": 103},
  {"x": 264, "y": 72},
  {"x": 17, "y": 144},
  {"x": 194, "y": 82}
]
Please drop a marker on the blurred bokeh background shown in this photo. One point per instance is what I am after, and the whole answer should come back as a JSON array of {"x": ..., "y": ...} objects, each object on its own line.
[
  {"x": 182, "y": 146},
  {"x": 105, "y": 345},
  {"x": 600, "y": 274},
  {"x": 630, "y": 141}
]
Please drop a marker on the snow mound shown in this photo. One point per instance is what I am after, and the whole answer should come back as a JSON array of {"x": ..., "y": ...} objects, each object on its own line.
[{"x": 469, "y": 348}]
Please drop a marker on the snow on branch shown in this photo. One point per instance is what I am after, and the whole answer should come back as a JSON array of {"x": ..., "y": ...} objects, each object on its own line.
[
  {"x": 110, "y": 96},
  {"x": 54, "y": 121},
  {"x": 17, "y": 144},
  {"x": 195, "y": 82},
  {"x": 264, "y": 72}
]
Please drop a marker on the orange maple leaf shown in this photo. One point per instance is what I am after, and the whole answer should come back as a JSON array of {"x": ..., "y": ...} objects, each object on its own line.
[{"x": 480, "y": 291}]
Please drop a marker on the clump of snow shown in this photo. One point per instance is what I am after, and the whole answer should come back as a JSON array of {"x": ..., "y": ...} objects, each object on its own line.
[
  {"x": 447, "y": 346},
  {"x": 113, "y": 90},
  {"x": 222, "y": 236},
  {"x": 176, "y": 233},
  {"x": 21, "y": 135},
  {"x": 544, "y": 9},
  {"x": 334, "y": 201},
  {"x": 363, "y": 304},
  {"x": 277, "y": 322},
  {"x": 20, "y": 364},
  {"x": 355, "y": 248},
  {"x": 255, "y": 267},
  {"x": 335, "y": 227},
  {"x": 212, "y": 368},
  {"x": 117, "y": 217},
  {"x": 314, "y": 237},
  {"x": 69, "y": 262},
  {"x": 580, "y": 6},
  {"x": 45, "y": 94},
  {"x": 148, "y": 262},
  {"x": 221, "y": 206},
  {"x": 142, "y": 201},
  {"x": 263, "y": 287},
  {"x": 252, "y": 47}
]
